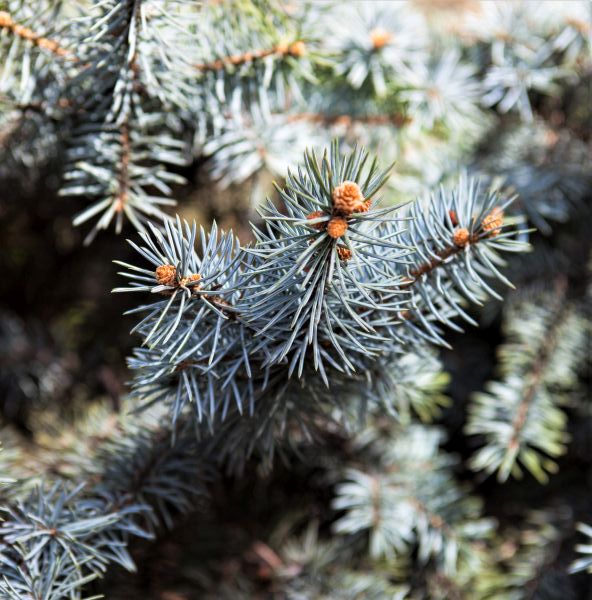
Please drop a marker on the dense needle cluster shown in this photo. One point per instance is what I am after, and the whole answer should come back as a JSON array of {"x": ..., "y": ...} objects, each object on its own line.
[{"x": 320, "y": 295}]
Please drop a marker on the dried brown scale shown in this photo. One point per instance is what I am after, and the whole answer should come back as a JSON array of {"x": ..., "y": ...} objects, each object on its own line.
[
  {"x": 218, "y": 301},
  {"x": 7, "y": 22},
  {"x": 344, "y": 253},
  {"x": 364, "y": 206}
]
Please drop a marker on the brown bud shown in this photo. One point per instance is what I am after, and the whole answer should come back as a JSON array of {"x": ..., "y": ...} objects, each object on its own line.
[
  {"x": 453, "y": 217},
  {"x": 348, "y": 198},
  {"x": 493, "y": 222},
  {"x": 380, "y": 37},
  {"x": 317, "y": 214},
  {"x": 5, "y": 19},
  {"x": 461, "y": 237},
  {"x": 337, "y": 227},
  {"x": 166, "y": 275},
  {"x": 297, "y": 49}
]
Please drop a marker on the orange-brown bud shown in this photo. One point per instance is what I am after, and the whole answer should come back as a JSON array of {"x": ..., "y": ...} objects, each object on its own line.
[
  {"x": 348, "y": 198},
  {"x": 493, "y": 222},
  {"x": 380, "y": 37},
  {"x": 337, "y": 227},
  {"x": 5, "y": 19},
  {"x": 461, "y": 237},
  {"x": 166, "y": 275},
  {"x": 297, "y": 49}
]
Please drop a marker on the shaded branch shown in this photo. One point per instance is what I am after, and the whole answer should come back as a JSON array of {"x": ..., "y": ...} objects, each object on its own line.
[
  {"x": 124, "y": 177},
  {"x": 539, "y": 367}
]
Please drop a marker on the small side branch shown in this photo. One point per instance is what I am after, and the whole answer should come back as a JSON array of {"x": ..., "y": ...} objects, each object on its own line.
[
  {"x": 443, "y": 255},
  {"x": 397, "y": 119},
  {"x": 124, "y": 176},
  {"x": 296, "y": 49},
  {"x": 539, "y": 368},
  {"x": 7, "y": 22}
]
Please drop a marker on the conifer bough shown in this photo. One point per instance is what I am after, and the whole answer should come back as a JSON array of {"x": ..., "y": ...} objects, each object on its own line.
[{"x": 332, "y": 286}]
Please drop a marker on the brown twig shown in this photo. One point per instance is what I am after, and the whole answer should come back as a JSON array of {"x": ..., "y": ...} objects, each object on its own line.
[
  {"x": 442, "y": 256},
  {"x": 123, "y": 179},
  {"x": 126, "y": 148},
  {"x": 397, "y": 119},
  {"x": 296, "y": 49},
  {"x": 7, "y": 22},
  {"x": 539, "y": 366}
]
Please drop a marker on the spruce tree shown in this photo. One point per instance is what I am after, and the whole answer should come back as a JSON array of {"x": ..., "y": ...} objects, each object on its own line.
[{"x": 352, "y": 244}]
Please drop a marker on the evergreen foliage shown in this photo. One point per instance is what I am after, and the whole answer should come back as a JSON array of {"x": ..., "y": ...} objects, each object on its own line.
[
  {"x": 546, "y": 346},
  {"x": 355, "y": 385},
  {"x": 306, "y": 303}
]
